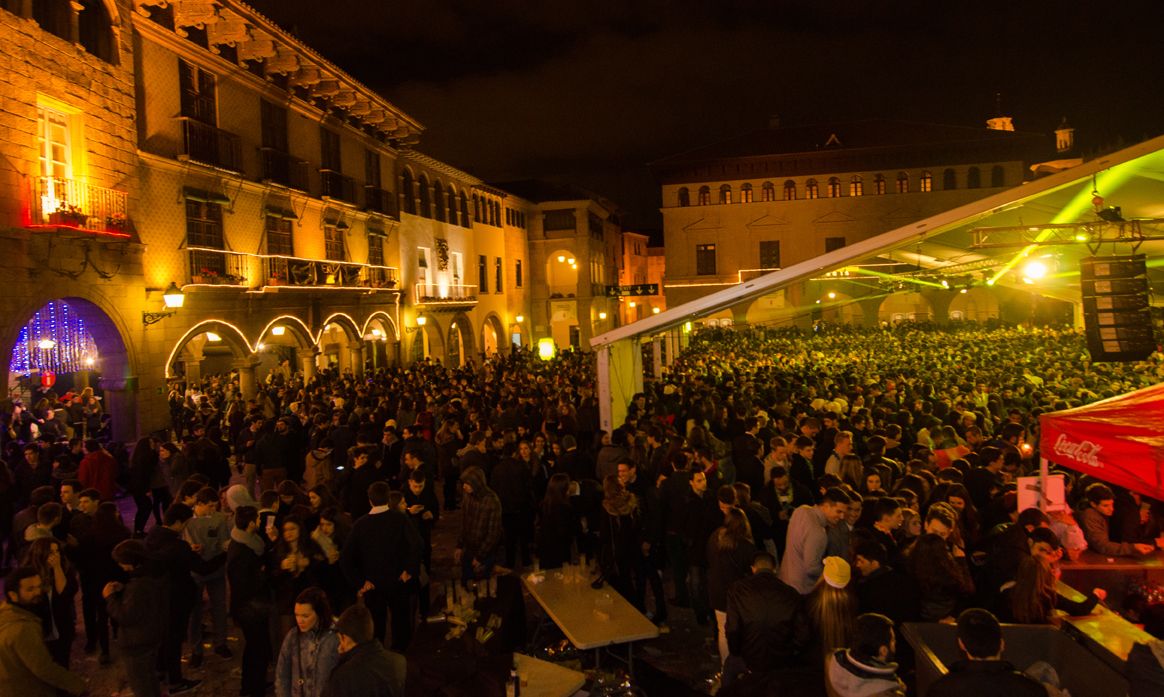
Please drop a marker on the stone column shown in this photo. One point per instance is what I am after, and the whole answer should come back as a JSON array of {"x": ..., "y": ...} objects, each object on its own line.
[
  {"x": 356, "y": 349},
  {"x": 119, "y": 400},
  {"x": 75, "y": 21},
  {"x": 307, "y": 358},
  {"x": 246, "y": 376}
]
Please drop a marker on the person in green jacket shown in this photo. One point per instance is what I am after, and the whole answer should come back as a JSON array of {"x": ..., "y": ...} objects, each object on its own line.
[{"x": 26, "y": 669}]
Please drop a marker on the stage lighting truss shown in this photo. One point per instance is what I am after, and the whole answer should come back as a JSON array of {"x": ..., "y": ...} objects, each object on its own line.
[{"x": 1092, "y": 233}]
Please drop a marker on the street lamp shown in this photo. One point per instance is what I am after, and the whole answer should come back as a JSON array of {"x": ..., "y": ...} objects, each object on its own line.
[{"x": 172, "y": 296}]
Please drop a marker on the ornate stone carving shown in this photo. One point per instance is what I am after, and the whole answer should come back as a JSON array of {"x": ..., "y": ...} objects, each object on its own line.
[
  {"x": 193, "y": 13},
  {"x": 231, "y": 30},
  {"x": 306, "y": 76},
  {"x": 259, "y": 47},
  {"x": 283, "y": 62}
]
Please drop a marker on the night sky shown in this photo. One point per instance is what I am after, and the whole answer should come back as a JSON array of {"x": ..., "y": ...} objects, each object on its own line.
[{"x": 589, "y": 91}]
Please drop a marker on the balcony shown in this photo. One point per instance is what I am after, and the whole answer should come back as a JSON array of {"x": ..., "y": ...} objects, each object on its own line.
[
  {"x": 337, "y": 186},
  {"x": 380, "y": 201},
  {"x": 441, "y": 295},
  {"x": 207, "y": 145},
  {"x": 283, "y": 169},
  {"x": 69, "y": 203},
  {"x": 272, "y": 272}
]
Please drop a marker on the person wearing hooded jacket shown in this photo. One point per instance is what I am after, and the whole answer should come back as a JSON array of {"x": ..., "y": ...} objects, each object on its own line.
[
  {"x": 867, "y": 668},
  {"x": 139, "y": 606},
  {"x": 480, "y": 537}
]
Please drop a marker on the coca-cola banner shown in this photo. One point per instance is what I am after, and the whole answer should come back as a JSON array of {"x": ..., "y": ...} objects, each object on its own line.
[{"x": 1119, "y": 440}]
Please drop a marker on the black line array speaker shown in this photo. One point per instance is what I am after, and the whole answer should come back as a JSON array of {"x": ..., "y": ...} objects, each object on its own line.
[{"x": 1117, "y": 316}]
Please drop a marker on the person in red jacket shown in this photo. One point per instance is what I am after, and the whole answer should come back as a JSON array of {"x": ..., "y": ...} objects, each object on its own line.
[{"x": 98, "y": 470}]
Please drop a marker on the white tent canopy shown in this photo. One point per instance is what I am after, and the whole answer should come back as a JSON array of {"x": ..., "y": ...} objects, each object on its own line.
[{"x": 985, "y": 240}]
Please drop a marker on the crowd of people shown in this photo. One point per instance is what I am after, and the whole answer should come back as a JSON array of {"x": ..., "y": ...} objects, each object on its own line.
[{"x": 801, "y": 494}]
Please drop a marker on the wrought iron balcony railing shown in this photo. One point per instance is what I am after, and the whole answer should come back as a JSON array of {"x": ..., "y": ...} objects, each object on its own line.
[
  {"x": 253, "y": 271},
  {"x": 208, "y": 145},
  {"x": 444, "y": 294},
  {"x": 380, "y": 201},
  {"x": 281, "y": 168},
  {"x": 337, "y": 186},
  {"x": 56, "y": 202}
]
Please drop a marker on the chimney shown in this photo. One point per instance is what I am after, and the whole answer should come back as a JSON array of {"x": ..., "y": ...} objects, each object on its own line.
[{"x": 1064, "y": 137}]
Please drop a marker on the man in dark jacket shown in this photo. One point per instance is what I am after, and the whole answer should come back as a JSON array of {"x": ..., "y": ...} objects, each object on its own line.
[
  {"x": 250, "y": 603},
  {"x": 650, "y": 559},
  {"x": 174, "y": 561},
  {"x": 983, "y": 672},
  {"x": 512, "y": 480},
  {"x": 206, "y": 458},
  {"x": 766, "y": 623},
  {"x": 139, "y": 607},
  {"x": 26, "y": 668},
  {"x": 355, "y": 482},
  {"x": 881, "y": 588},
  {"x": 481, "y": 528},
  {"x": 381, "y": 558},
  {"x": 276, "y": 456},
  {"x": 365, "y": 668}
]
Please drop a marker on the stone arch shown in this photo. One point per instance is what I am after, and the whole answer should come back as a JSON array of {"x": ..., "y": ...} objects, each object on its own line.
[
  {"x": 116, "y": 360},
  {"x": 840, "y": 308},
  {"x": 493, "y": 338},
  {"x": 230, "y": 335},
  {"x": 905, "y": 306},
  {"x": 381, "y": 340},
  {"x": 343, "y": 346},
  {"x": 293, "y": 326},
  {"x": 974, "y": 305},
  {"x": 430, "y": 333},
  {"x": 463, "y": 326},
  {"x": 561, "y": 276}
]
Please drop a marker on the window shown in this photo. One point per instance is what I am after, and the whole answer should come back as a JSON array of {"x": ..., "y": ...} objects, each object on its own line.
[
  {"x": 279, "y": 244},
  {"x": 832, "y": 244},
  {"x": 483, "y": 273},
  {"x": 902, "y": 183},
  {"x": 95, "y": 30},
  {"x": 407, "y": 191},
  {"x": 423, "y": 273},
  {"x": 834, "y": 187},
  {"x": 704, "y": 196},
  {"x": 54, "y": 139},
  {"x": 856, "y": 186},
  {"x": 333, "y": 243},
  {"x": 54, "y": 16},
  {"x": 329, "y": 142},
  {"x": 725, "y": 193},
  {"x": 684, "y": 197},
  {"x": 273, "y": 121},
  {"x": 438, "y": 197},
  {"x": 498, "y": 273},
  {"x": 204, "y": 229},
  {"x": 811, "y": 190},
  {"x": 973, "y": 178},
  {"x": 562, "y": 219},
  {"x": 746, "y": 193},
  {"x": 376, "y": 251},
  {"x": 705, "y": 259},
  {"x": 464, "y": 210},
  {"x": 198, "y": 94},
  {"x": 452, "y": 204},
  {"x": 879, "y": 184},
  {"x": 789, "y": 190},
  {"x": 476, "y": 208},
  {"x": 926, "y": 183},
  {"x": 949, "y": 180},
  {"x": 372, "y": 169},
  {"x": 769, "y": 254},
  {"x": 768, "y": 192},
  {"x": 517, "y": 278},
  {"x": 425, "y": 204},
  {"x": 457, "y": 261},
  {"x": 997, "y": 177}
]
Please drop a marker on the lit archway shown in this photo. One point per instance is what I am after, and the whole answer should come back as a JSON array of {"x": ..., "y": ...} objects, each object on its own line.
[
  {"x": 381, "y": 341},
  {"x": 209, "y": 348},
  {"x": 905, "y": 307},
  {"x": 492, "y": 335},
  {"x": 462, "y": 327},
  {"x": 70, "y": 344},
  {"x": 974, "y": 305},
  {"x": 280, "y": 345}
]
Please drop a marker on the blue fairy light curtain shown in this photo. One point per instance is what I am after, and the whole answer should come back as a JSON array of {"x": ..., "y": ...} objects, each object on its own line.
[{"x": 55, "y": 340}]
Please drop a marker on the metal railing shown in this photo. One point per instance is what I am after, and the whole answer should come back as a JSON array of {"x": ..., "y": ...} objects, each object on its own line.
[
  {"x": 71, "y": 203},
  {"x": 281, "y": 168},
  {"x": 221, "y": 267},
  {"x": 379, "y": 201},
  {"x": 338, "y": 186},
  {"x": 442, "y": 293},
  {"x": 209, "y": 145}
]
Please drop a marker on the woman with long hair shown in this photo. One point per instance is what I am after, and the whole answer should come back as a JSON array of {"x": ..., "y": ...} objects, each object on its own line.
[
  {"x": 968, "y": 520},
  {"x": 60, "y": 588},
  {"x": 832, "y": 609},
  {"x": 330, "y": 535},
  {"x": 944, "y": 582},
  {"x": 557, "y": 523},
  {"x": 1031, "y": 598},
  {"x": 297, "y": 560},
  {"x": 620, "y": 537},
  {"x": 729, "y": 558},
  {"x": 309, "y": 651}
]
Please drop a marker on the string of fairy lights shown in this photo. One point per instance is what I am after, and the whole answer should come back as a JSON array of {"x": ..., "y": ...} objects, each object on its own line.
[{"x": 55, "y": 340}]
